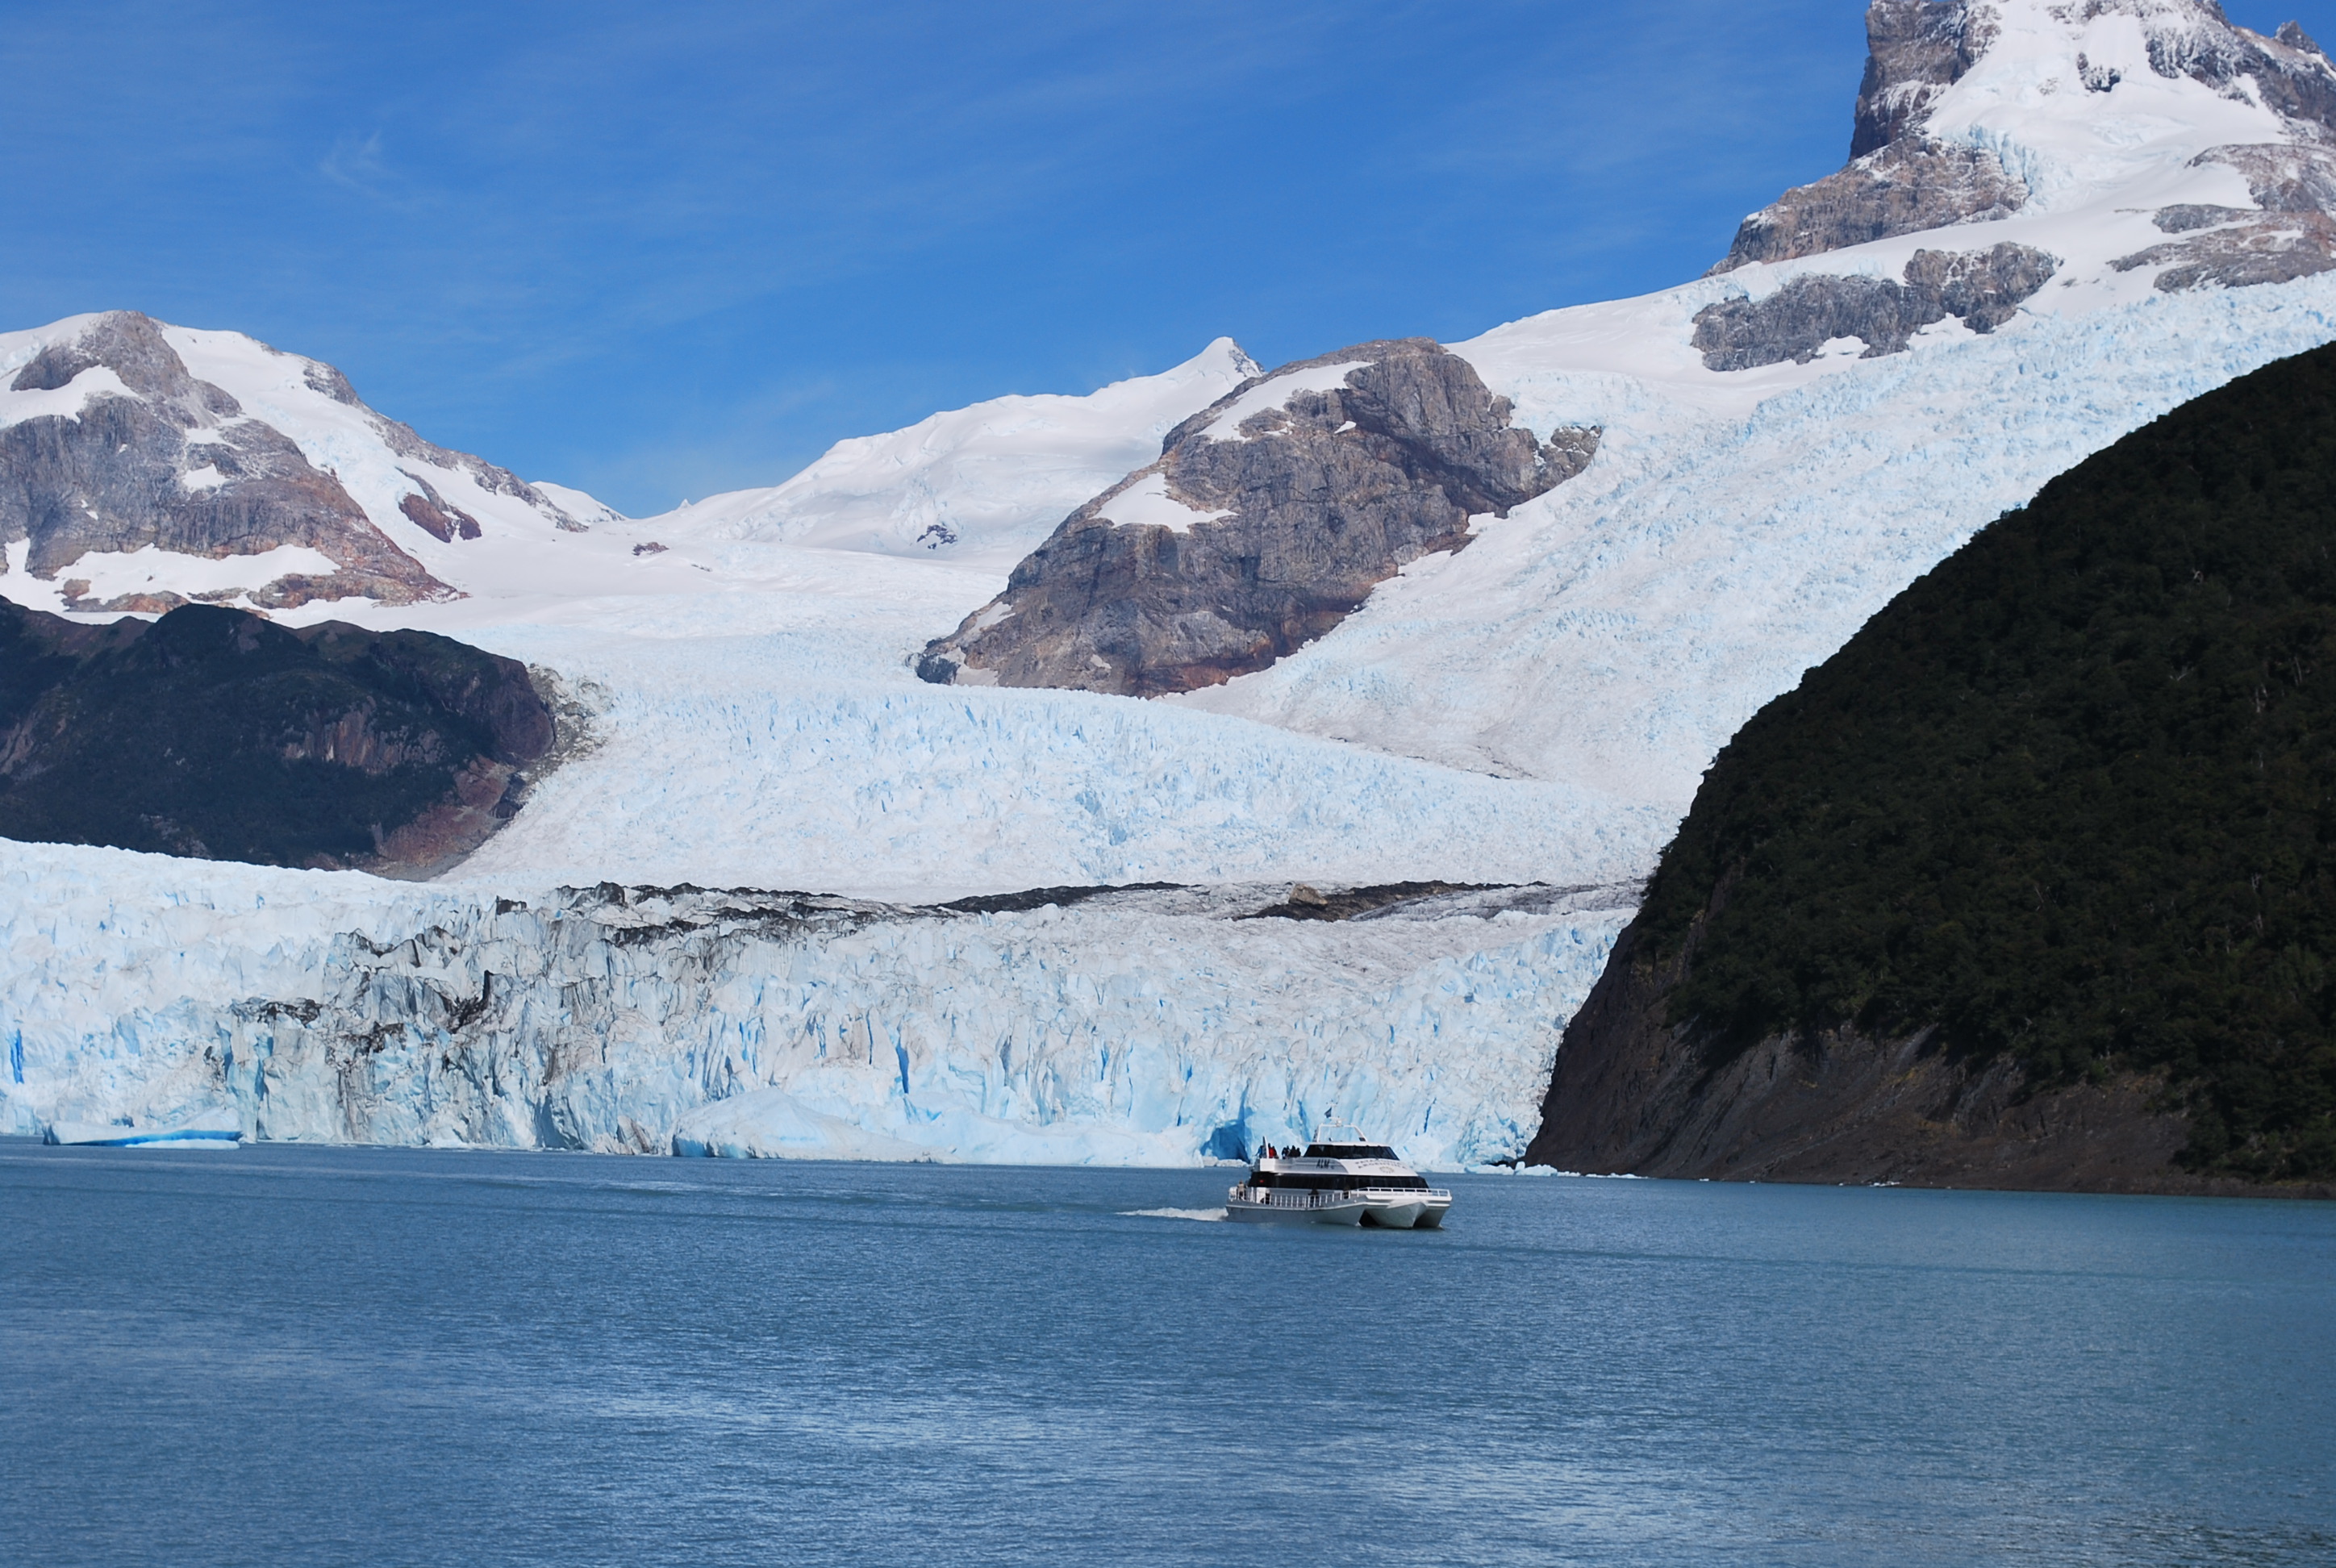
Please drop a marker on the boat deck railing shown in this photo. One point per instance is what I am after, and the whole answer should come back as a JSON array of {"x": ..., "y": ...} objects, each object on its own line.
[{"x": 1330, "y": 1197}]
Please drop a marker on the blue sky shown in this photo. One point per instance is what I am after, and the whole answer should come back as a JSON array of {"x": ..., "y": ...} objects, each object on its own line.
[{"x": 663, "y": 250}]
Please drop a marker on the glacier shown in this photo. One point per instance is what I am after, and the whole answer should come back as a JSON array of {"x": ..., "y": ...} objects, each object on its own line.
[
  {"x": 1534, "y": 711},
  {"x": 1144, "y": 1026}
]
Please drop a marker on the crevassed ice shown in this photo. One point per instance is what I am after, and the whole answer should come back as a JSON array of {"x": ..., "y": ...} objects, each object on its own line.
[{"x": 330, "y": 1006}]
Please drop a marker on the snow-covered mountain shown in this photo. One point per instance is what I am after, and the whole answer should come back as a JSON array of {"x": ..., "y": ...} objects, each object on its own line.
[
  {"x": 2076, "y": 216},
  {"x": 1268, "y": 517},
  {"x": 980, "y": 484},
  {"x": 1759, "y": 493},
  {"x": 143, "y": 465}
]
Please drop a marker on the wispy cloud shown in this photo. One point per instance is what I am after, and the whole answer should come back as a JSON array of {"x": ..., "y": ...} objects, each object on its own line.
[{"x": 356, "y": 163}]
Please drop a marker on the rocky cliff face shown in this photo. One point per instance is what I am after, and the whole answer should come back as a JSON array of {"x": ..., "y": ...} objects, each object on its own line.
[
  {"x": 1903, "y": 189},
  {"x": 1979, "y": 288},
  {"x": 1905, "y": 178},
  {"x": 2290, "y": 234},
  {"x": 1268, "y": 518},
  {"x": 215, "y": 733},
  {"x": 110, "y": 443}
]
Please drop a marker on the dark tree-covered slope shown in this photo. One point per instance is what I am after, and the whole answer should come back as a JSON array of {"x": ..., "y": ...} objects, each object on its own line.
[
  {"x": 216, "y": 734},
  {"x": 2034, "y": 881}
]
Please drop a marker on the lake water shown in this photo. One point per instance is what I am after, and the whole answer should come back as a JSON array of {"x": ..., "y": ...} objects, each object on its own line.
[{"x": 287, "y": 1355}]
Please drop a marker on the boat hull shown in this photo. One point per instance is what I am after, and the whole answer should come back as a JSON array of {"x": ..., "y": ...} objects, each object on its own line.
[
  {"x": 1396, "y": 1215},
  {"x": 1349, "y": 1212}
]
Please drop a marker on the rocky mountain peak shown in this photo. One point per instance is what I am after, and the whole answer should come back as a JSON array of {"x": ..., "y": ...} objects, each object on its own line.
[
  {"x": 1268, "y": 518},
  {"x": 131, "y": 480},
  {"x": 1942, "y": 132},
  {"x": 1915, "y": 50},
  {"x": 129, "y": 343}
]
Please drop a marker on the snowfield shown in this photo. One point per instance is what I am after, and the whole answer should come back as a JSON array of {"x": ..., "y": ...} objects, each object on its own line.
[
  {"x": 1612, "y": 634},
  {"x": 1536, "y": 708},
  {"x": 986, "y": 483}
]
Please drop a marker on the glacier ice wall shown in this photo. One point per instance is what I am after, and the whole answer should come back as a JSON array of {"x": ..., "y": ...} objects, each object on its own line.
[{"x": 1138, "y": 1026}]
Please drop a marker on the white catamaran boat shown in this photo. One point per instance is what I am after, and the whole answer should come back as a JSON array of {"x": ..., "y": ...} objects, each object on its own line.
[{"x": 1339, "y": 1180}]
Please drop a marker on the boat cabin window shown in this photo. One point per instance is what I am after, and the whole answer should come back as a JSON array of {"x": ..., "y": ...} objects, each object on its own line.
[
  {"x": 1349, "y": 1151},
  {"x": 1334, "y": 1182}
]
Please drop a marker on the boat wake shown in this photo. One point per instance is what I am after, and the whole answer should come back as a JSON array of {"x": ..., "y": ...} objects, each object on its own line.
[{"x": 1173, "y": 1213}]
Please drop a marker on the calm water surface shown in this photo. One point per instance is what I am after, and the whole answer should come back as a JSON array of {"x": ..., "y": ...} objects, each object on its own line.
[{"x": 314, "y": 1355}]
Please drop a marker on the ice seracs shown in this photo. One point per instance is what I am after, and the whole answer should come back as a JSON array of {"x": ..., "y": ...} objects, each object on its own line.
[{"x": 1075, "y": 1025}]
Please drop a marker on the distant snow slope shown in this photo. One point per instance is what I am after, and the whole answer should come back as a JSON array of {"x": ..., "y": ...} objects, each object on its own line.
[
  {"x": 983, "y": 484},
  {"x": 754, "y": 760},
  {"x": 380, "y": 461},
  {"x": 588, "y": 510}
]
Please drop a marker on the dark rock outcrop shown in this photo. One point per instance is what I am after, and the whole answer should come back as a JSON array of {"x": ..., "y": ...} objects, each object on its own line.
[
  {"x": 1983, "y": 287},
  {"x": 216, "y": 734},
  {"x": 1272, "y": 533},
  {"x": 171, "y": 462},
  {"x": 428, "y": 511},
  {"x": 2032, "y": 883},
  {"x": 1905, "y": 188},
  {"x": 2291, "y": 233},
  {"x": 1898, "y": 179}
]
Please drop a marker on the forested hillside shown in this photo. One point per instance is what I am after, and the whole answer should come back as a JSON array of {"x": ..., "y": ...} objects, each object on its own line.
[{"x": 2067, "y": 801}]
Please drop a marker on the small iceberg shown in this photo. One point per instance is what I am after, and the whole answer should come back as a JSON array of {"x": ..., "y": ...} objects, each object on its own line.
[{"x": 221, "y": 1129}]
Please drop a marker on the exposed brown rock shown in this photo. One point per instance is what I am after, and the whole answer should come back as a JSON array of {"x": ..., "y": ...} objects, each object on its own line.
[
  {"x": 126, "y": 603},
  {"x": 2291, "y": 234},
  {"x": 485, "y": 795},
  {"x": 428, "y": 511},
  {"x": 1905, "y": 187},
  {"x": 114, "y": 478},
  {"x": 1983, "y": 287},
  {"x": 1323, "y": 496}
]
